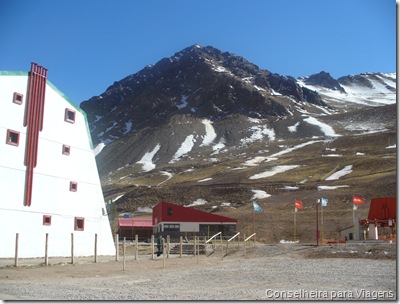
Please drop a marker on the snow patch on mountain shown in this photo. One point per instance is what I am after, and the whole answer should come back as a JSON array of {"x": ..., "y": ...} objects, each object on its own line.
[
  {"x": 183, "y": 103},
  {"x": 259, "y": 159},
  {"x": 254, "y": 161},
  {"x": 147, "y": 159},
  {"x": 377, "y": 93},
  {"x": 331, "y": 187},
  {"x": 204, "y": 180},
  {"x": 293, "y": 128},
  {"x": 260, "y": 194},
  {"x": 197, "y": 202},
  {"x": 288, "y": 150},
  {"x": 326, "y": 129},
  {"x": 185, "y": 148},
  {"x": 219, "y": 147},
  {"x": 128, "y": 127},
  {"x": 290, "y": 188},
  {"x": 258, "y": 133},
  {"x": 273, "y": 171},
  {"x": 98, "y": 148},
  {"x": 210, "y": 133},
  {"x": 335, "y": 176}
]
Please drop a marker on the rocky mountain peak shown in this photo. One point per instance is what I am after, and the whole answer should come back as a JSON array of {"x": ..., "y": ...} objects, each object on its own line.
[
  {"x": 324, "y": 79},
  {"x": 203, "y": 82}
]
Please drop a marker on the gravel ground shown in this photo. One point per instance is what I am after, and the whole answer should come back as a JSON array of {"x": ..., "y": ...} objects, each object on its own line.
[{"x": 266, "y": 272}]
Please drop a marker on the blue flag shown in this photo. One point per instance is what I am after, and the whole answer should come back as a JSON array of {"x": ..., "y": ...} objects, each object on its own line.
[
  {"x": 256, "y": 207},
  {"x": 324, "y": 202}
]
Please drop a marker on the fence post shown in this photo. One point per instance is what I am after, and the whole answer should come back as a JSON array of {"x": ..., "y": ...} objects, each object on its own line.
[
  {"x": 194, "y": 245},
  {"x": 136, "y": 246},
  {"x": 95, "y": 248},
  {"x": 168, "y": 247},
  {"x": 16, "y": 249},
  {"x": 163, "y": 251},
  {"x": 180, "y": 246},
  {"x": 198, "y": 249},
  {"x": 116, "y": 246},
  {"x": 244, "y": 244},
  {"x": 72, "y": 248},
  {"x": 46, "y": 247},
  {"x": 152, "y": 246},
  {"x": 123, "y": 255},
  {"x": 222, "y": 247}
]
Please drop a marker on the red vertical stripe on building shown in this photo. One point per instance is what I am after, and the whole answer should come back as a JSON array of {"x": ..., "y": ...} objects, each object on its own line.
[{"x": 34, "y": 123}]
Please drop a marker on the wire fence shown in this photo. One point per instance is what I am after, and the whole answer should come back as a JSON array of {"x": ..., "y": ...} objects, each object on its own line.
[{"x": 134, "y": 250}]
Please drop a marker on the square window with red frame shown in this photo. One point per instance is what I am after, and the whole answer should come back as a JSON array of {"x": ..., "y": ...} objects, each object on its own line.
[
  {"x": 18, "y": 98},
  {"x": 12, "y": 137},
  {"x": 73, "y": 186},
  {"x": 70, "y": 115},
  {"x": 66, "y": 150},
  {"x": 79, "y": 223},
  {"x": 47, "y": 220}
]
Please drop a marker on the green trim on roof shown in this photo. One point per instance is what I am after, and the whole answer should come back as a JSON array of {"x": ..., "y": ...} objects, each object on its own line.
[{"x": 14, "y": 73}]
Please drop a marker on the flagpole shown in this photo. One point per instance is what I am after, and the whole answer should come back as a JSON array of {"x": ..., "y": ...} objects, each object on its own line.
[
  {"x": 294, "y": 232},
  {"x": 322, "y": 222},
  {"x": 354, "y": 223},
  {"x": 253, "y": 222}
]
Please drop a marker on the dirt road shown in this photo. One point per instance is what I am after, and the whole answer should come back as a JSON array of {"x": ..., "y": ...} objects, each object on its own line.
[{"x": 264, "y": 273}]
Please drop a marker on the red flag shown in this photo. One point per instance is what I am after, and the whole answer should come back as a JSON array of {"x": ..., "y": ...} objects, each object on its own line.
[
  {"x": 357, "y": 200},
  {"x": 298, "y": 204}
]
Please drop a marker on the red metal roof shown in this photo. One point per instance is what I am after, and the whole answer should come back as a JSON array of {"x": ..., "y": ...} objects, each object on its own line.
[
  {"x": 135, "y": 222},
  {"x": 167, "y": 212},
  {"x": 382, "y": 208}
]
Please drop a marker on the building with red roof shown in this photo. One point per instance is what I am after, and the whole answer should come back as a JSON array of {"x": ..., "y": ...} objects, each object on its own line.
[
  {"x": 141, "y": 226},
  {"x": 177, "y": 220}
]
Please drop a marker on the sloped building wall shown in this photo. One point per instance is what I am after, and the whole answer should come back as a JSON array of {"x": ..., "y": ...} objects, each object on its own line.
[{"x": 66, "y": 191}]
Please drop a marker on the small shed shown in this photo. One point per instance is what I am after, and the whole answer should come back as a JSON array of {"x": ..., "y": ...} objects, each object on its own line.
[
  {"x": 348, "y": 233},
  {"x": 141, "y": 226},
  {"x": 178, "y": 220}
]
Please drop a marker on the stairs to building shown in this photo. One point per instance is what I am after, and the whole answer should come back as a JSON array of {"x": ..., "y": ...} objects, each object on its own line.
[{"x": 187, "y": 249}]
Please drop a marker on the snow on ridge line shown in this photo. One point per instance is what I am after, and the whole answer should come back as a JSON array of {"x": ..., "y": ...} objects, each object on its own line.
[
  {"x": 378, "y": 95},
  {"x": 147, "y": 159}
]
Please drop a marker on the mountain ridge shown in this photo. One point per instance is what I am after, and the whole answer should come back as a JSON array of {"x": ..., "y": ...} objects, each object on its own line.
[{"x": 209, "y": 126}]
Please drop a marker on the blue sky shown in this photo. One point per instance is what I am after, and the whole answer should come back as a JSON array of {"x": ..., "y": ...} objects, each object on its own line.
[{"x": 87, "y": 45}]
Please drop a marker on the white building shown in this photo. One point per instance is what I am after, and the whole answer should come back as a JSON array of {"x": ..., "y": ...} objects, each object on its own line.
[{"x": 49, "y": 178}]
